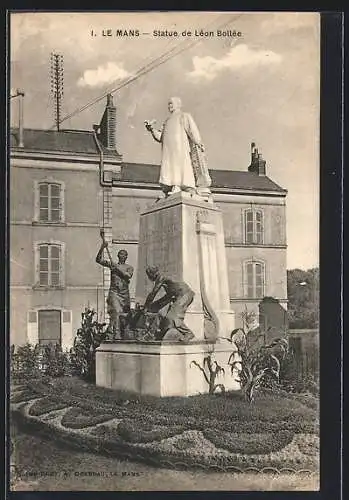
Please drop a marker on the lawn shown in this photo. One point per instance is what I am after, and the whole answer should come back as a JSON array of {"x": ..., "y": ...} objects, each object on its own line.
[
  {"x": 277, "y": 430},
  {"x": 44, "y": 465}
]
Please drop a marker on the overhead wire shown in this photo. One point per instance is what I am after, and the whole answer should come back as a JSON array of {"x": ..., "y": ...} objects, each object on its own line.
[
  {"x": 162, "y": 59},
  {"x": 150, "y": 58},
  {"x": 143, "y": 70}
]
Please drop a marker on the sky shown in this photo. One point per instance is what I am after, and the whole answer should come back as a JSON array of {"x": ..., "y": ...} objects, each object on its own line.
[{"x": 262, "y": 86}]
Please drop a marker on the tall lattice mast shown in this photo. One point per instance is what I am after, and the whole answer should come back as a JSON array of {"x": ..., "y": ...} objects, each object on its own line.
[{"x": 57, "y": 83}]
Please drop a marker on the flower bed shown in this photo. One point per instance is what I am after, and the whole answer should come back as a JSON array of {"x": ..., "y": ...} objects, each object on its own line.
[
  {"x": 272, "y": 432},
  {"x": 76, "y": 418},
  {"x": 249, "y": 443},
  {"x": 131, "y": 431},
  {"x": 46, "y": 405},
  {"x": 273, "y": 412}
]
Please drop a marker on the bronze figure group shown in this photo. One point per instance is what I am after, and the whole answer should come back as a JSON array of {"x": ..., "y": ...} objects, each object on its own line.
[{"x": 163, "y": 317}]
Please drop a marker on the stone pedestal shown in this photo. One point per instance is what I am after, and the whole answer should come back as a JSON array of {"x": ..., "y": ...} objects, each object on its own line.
[
  {"x": 161, "y": 369},
  {"x": 183, "y": 235}
]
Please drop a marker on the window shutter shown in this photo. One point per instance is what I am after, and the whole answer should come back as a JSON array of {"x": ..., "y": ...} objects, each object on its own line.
[
  {"x": 259, "y": 226},
  {"x": 67, "y": 329},
  {"x": 249, "y": 271},
  {"x": 66, "y": 317},
  {"x": 36, "y": 201},
  {"x": 248, "y": 219},
  {"x": 32, "y": 317},
  {"x": 259, "y": 285},
  {"x": 62, "y": 264},
  {"x": 61, "y": 204},
  {"x": 254, "y": 279},
  {"x": 32, "y": 327},
  {"x": 49, "y": 201},
  {"x": 36, "y": 264}
]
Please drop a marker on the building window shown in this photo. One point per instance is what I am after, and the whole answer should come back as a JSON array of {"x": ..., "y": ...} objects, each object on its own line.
[
  {"x": 49, "y": 202},
  {"x": 49, "y": 327},
  {"x": 49, "y": 264},
  {"x": 253, "y": 222},
  {"x": 254, "y": 273}
]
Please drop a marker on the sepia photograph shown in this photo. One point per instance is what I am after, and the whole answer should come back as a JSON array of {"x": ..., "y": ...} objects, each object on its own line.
[{"x": 164, "y": 172}]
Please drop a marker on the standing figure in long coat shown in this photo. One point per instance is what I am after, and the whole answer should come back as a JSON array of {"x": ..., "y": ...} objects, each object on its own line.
[{"x": 183, "y": 163}]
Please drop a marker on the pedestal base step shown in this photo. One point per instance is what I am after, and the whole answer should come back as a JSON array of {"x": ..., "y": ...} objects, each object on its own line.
[{"x": 163, "y": 369}]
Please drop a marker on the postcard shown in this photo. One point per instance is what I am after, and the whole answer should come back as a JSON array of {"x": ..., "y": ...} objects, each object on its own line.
[{"x": 164, "y": 255}]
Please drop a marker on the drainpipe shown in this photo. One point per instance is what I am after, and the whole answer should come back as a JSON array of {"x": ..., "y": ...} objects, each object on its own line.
[
  {"x": 20, "y": 94},
  {"x": 101, "y": 161},
  {"x": 21, "y": 104},
  {"x": 103, "y": 183}
]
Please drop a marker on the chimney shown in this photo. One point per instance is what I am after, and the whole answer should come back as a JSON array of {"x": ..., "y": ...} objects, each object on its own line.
[
  {"x": 257, "y": 163},
  {"x": 107, "y": 126}
]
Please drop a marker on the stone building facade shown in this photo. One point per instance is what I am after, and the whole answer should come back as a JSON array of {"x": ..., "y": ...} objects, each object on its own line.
[{"x": 65, "y": 185}]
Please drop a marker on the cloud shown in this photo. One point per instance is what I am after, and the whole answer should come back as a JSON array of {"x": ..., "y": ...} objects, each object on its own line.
[
  {"x": 241, "y": 56},
  {"x": 103, "y": 75},
  {"x": 281, "y": 22}
]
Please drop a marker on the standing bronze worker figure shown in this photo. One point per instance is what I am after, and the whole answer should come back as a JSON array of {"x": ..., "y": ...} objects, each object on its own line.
[{"x": 119, "y": 295}]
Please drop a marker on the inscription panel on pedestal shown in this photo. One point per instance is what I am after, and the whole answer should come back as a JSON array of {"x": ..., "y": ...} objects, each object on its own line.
[{"x": 161, "y": 243}]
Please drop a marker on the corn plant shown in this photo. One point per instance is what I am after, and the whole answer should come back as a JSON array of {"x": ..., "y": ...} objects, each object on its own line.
[
  {"x": 214, "y": 369},
  {"x": 257, "y": 361}
]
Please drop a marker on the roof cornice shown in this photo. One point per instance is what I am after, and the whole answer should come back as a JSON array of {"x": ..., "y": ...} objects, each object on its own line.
[
  {"x": 215, "y": 190},
  {"x": 63, "y": 156}
]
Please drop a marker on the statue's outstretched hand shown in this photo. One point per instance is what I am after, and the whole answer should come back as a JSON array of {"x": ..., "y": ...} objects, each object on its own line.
[{"x": 149, "y": 124}]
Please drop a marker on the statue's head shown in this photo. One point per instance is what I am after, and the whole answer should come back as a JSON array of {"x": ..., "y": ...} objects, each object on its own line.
[
  {"x": 152, "y": 272},
  {"x": 122, "y": 256},
  {"x": 174, "y": 103}
]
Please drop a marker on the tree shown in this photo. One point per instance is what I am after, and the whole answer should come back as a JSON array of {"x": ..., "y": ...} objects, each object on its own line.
[{"x": 303, "y": 298}]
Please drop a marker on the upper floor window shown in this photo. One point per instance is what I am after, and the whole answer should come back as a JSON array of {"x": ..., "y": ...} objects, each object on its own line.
[
  {"x": 253, "y": 222},
  {"x": 49, "y": 264},
  {"x": 49, "y": 202},
  {"x": 254, "y": 272}
]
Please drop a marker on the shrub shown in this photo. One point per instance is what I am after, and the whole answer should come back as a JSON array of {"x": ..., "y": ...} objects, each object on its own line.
[
  {"x": 25, "y": 361},
  {"x": 36, "y": 361},
  {"x": 54, "y": 362},
  {"x": 89, "y": 336},
  {"x": 302, "y": 384},
  {"x": 294, "y": 380}
]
